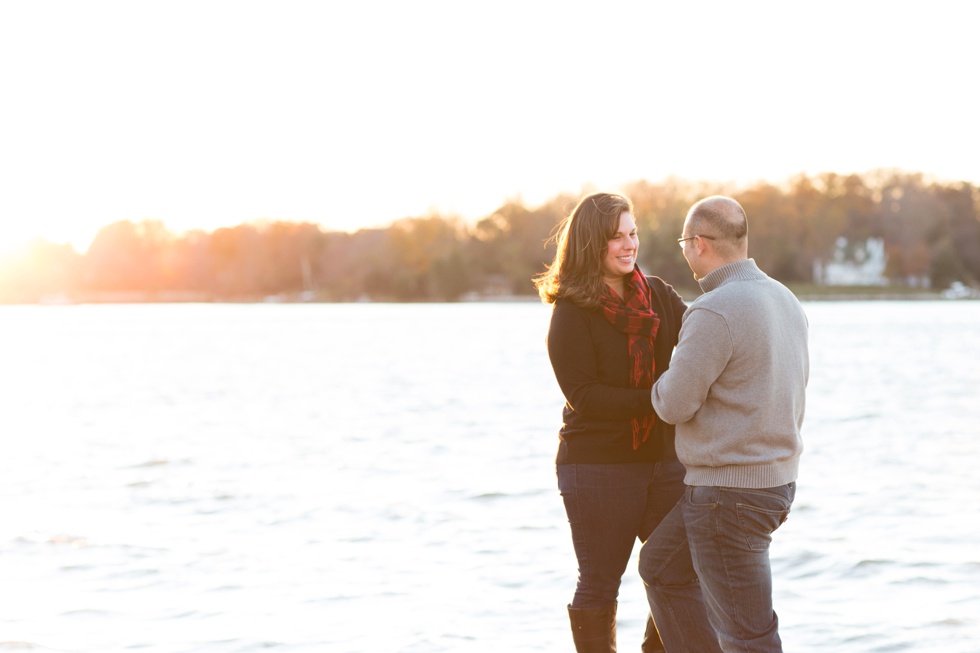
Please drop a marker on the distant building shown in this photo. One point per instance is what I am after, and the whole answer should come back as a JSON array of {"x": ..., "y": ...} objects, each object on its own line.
[
  {"x": 959, "y": 290},
  {"x": 857, "y": 265}
]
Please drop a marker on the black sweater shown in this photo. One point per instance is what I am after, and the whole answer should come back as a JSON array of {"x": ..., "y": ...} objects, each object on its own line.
[{"x": 591, "y": 362}]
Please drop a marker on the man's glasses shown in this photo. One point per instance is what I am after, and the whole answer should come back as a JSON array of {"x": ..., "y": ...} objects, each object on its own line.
[{"x": 680, "y": 241}]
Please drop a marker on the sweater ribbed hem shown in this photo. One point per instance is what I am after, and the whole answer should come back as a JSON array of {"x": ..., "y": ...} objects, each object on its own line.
[{"x": 765, "y": 475}]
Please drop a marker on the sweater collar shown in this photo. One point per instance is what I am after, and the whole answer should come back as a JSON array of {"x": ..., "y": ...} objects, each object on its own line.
[{"x": 743, "y": 270}]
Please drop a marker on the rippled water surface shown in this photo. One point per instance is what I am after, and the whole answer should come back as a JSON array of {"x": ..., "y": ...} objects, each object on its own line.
[{"x": 370, "y": 478}]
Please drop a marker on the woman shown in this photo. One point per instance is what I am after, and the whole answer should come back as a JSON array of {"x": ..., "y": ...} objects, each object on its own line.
[{"x": 611, "y": 335}]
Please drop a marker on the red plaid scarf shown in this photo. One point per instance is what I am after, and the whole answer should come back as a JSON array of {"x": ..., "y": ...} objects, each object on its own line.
[{"x": 636, "y": 319}]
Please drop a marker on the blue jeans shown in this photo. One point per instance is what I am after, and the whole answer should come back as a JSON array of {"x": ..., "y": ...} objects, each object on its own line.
[
  {"x": 609, "y": 507},
  {"x": 721, "y": 536}
]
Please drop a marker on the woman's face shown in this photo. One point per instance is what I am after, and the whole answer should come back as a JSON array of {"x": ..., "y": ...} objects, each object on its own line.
[{"x": 621, "y": 250}]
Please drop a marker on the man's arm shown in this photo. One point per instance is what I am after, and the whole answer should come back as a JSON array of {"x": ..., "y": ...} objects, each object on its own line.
[{"x": 702, "y": 353}]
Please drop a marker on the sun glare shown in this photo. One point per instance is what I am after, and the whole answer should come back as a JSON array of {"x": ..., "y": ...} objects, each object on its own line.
[
  {"x": 13, "y": 242},
  {"x": 17, "y": 238}
]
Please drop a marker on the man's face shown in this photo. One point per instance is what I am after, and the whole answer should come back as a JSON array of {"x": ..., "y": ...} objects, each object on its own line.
[{"x": 690, "y": 249}]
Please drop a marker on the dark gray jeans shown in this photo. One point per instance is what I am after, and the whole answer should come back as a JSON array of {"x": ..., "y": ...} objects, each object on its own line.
[
  {"x": 609, "y": 507},
  {"x": 720, "y": 535}
]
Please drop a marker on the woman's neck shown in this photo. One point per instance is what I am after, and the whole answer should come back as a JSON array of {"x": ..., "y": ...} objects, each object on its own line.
[{"x": 618, "y": 286}]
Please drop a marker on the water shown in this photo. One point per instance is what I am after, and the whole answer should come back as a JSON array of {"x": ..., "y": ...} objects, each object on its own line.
[{"x": 371, "y": 478}]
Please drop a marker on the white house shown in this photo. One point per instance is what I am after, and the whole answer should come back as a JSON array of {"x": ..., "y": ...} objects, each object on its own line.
[{"x": 864, "y": 265}]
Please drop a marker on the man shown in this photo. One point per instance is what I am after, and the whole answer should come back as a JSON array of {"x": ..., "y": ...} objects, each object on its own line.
[{"x": 736, "y": 391}]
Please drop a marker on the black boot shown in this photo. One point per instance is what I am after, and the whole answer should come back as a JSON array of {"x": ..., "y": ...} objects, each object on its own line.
[
  {"x": 651, "y": 639},
  {"x": 594, "y": 629}
]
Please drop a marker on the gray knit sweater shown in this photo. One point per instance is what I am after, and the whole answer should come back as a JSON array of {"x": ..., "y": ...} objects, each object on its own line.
[{"x": 737, "y": 381}]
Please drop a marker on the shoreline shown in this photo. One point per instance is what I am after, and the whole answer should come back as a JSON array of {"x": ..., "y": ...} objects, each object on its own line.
[
  {"x": 864, "y": 297},
  {"x": 689, "y": 295}
]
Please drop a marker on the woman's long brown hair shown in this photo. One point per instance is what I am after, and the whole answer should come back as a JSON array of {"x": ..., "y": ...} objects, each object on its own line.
[{"x": 583, "y": 240}]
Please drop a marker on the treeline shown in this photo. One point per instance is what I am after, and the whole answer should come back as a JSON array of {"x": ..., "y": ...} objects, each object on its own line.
[{"x": 931, "y": 231}]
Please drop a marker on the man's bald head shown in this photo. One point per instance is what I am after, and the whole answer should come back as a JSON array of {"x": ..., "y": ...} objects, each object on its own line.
[{"x": 724, "y": 219}]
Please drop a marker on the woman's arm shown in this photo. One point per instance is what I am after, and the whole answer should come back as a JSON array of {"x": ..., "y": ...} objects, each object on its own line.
[
  {"x": 680, "y": 307},
  {"x": 671, "y": 301},
  {"x": 572, "y": 351}
]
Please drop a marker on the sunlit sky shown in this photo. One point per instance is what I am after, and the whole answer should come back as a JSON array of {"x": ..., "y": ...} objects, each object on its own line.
[{"x": 351, "y": 114}]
